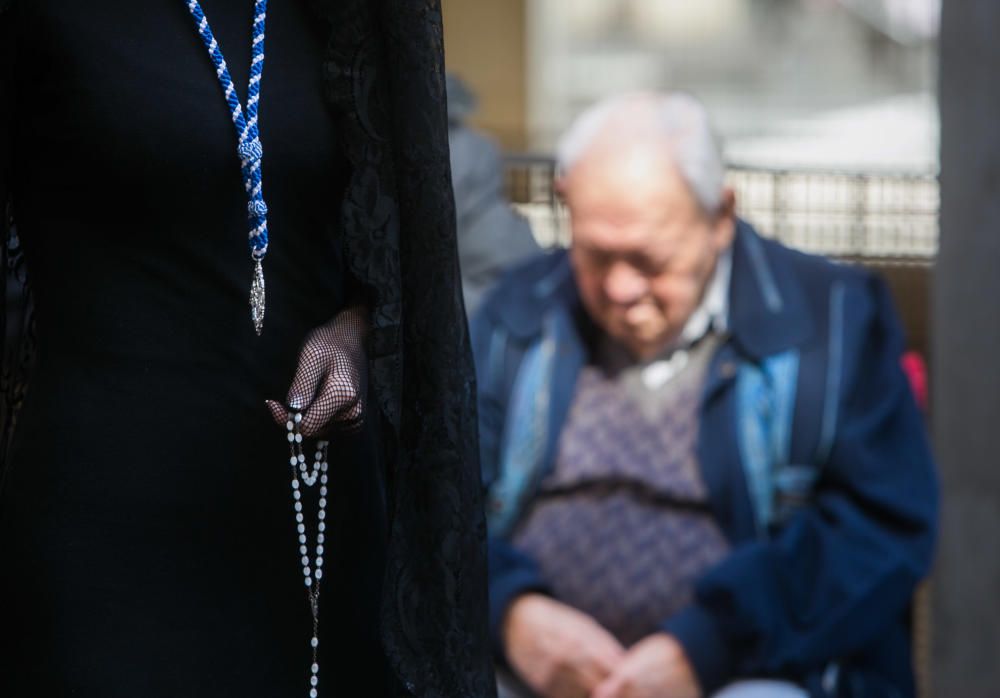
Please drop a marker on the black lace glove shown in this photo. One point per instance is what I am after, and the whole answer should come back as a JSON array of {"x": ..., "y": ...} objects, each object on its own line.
[{"x": 330, "y": 383}]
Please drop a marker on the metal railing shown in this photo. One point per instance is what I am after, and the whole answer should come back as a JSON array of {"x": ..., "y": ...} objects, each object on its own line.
[{"x": 887, "y": 216}]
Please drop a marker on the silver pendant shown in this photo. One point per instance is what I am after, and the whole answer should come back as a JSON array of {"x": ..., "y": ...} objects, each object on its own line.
[{"x": 257, "y": 297}]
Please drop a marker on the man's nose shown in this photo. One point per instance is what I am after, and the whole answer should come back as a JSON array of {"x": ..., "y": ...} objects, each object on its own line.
[{"x": 624, "y": 284}]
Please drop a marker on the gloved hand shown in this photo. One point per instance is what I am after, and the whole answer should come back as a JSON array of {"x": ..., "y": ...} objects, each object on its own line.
[{"x": 330, "y": 383}]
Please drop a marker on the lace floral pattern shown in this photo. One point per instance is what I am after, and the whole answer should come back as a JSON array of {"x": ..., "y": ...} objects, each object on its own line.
[
  {"x": 17, "y": 339},
  {"x": 385, "y": 80}
]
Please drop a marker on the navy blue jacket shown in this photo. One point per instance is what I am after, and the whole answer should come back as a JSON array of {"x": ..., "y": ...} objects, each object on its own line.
[{"x": 819, "y": 591}]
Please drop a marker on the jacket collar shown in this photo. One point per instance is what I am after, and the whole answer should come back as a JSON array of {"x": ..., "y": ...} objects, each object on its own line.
[{"x": 767, "y": 313}]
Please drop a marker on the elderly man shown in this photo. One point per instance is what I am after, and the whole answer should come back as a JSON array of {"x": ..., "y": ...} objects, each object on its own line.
[{"x": 707, "y": 473}]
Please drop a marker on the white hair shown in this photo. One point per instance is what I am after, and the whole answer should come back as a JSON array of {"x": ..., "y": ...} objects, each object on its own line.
[{"x": 676, "y": 119}]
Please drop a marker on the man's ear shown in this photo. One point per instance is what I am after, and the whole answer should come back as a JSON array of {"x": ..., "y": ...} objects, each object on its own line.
[
  {"x": 727, "y": 208},
  {"x": 559, "y": 186},
  {"x": 725, "y": 219}
]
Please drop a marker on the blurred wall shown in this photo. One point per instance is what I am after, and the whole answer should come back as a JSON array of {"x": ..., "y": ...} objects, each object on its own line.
[
  {"x": 761, "y": 66},
  {"x": 485, "y": 45},
  {"x": 967, "y": 356}
]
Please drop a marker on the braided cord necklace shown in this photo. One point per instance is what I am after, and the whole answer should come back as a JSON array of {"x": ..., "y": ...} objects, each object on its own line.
[
  {"x": 248, "y": 142},
  {"x": 251, "y": 153}
]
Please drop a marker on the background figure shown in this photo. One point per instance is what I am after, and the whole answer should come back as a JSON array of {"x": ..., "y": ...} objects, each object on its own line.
[
  {"x": 706, "y": 468},
  {"x": 491, "y": 235}
]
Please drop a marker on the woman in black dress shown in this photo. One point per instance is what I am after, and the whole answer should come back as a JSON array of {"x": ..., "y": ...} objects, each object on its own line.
[{"x": 148, "y": 545}]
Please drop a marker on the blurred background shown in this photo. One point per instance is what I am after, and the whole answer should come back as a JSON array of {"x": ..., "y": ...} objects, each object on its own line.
[
  {"x": 790, "y": 82},
  {"x": 866, "y": 130},
  {"x": 827, "y": 109}
]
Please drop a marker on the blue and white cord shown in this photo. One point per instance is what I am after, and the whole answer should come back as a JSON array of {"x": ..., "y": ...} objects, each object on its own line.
[{"x": 248, "y": 138}]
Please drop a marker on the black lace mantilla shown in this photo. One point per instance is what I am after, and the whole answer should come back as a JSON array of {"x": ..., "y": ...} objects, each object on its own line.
[{"x": 385, "y": 86}]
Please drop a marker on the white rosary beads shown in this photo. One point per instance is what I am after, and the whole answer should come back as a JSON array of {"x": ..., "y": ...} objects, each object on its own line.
[{"x": 312, "y": 568}]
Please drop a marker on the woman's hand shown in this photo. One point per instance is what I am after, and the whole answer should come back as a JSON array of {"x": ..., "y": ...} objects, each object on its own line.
[{"x": 330, "y": 383}]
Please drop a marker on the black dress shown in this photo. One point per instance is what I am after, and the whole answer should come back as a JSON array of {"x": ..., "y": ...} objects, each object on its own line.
[{"x": 147, "y": 539}]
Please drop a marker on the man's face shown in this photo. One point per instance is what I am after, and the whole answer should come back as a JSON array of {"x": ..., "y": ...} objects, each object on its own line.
[{"x": 643, "y": 250}]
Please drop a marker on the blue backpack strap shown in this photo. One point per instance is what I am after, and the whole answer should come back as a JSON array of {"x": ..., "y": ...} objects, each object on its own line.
[
  {"x": 525, "y": 436},
  {"x": 834, "y": 371},
  {"x": 765, "y": 398}
]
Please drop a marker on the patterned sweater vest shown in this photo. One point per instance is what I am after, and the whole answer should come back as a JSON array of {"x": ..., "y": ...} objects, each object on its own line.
[{"x": 621, "y": 527}]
